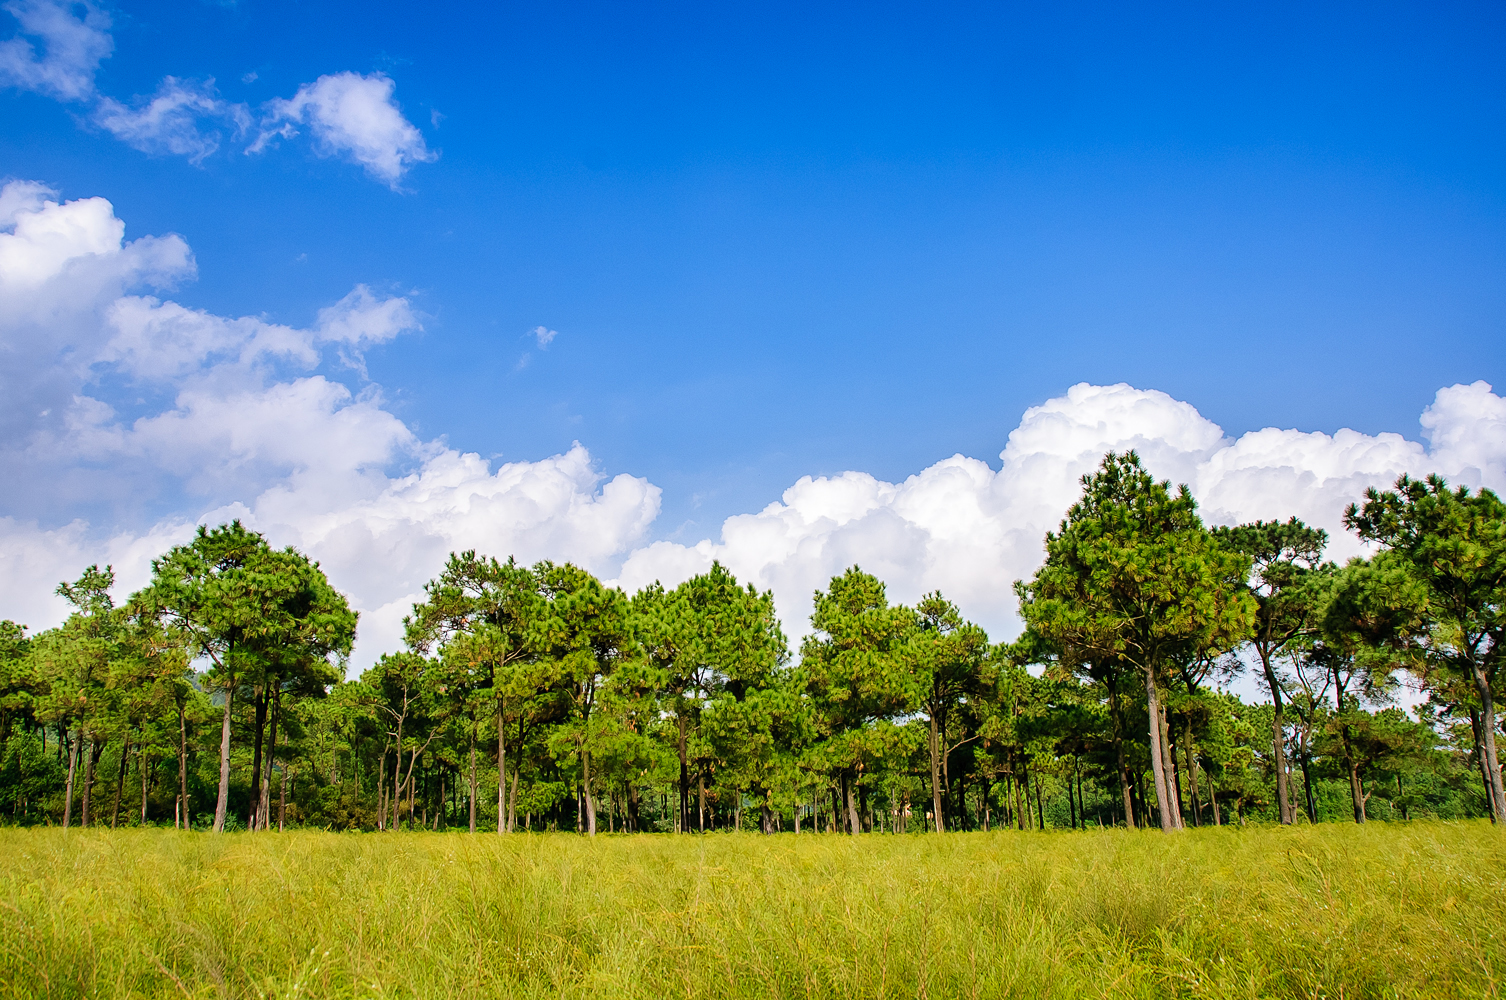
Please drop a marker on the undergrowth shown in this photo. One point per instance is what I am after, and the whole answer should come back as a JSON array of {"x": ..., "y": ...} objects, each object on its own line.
[{"x": 1385, "y": 910}]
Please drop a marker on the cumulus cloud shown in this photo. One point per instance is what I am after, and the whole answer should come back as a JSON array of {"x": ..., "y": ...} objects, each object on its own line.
[
  {"x": 245, "y": 430},
  {"x": 182, "y": 118},
  {"x": 351, "y": 115},
  {"x": 972, "y": 530},
  {"x": 70, "y": 41},
  {"x": 243, "y": 423},
  {"x": 544, "y": 336},
  {"x": 62, "y": 265}
]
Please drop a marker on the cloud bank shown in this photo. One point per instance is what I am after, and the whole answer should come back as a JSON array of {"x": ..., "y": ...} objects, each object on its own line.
[{"x": 111, "y": 392}]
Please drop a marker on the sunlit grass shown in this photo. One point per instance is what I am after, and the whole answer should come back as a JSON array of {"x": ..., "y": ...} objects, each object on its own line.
[{"x": 1331, "y": 911}]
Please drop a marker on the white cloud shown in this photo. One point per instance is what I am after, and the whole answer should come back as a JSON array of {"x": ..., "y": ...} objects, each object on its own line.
[
  {"x": 351, "y": 115},
  {"x": 972, "y": 531},
  {"x": 74, "y": 39},
  {"x": 180, "y": 118},
  {"x": 61, "y": 43},
  {"x": 244, "y": 424},
  {"x": 544, "y": 336},
  {"x": 61, "y": 267},
  {"x": 298, "y": 455}
]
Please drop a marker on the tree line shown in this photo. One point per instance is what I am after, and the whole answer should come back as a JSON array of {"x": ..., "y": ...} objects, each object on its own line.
[{"x": 535, "y": 697}]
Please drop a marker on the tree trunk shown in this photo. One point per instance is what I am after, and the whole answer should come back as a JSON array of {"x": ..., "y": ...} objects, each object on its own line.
[
  {"x": 512, "y": 800},
  {"x": 264, "y": 809},
  {"x": 1040, "y": 806},
  {"x": 183, "y": 769},
  {"x": 1157, "y": 758},
  {"x": 1169, "y": 765},
  {"x": 1356, "y": 789},
  {"x": 684, "y": 782},
  {"x": 1117, "y": 718},
  {"x": 1197, "y": 807},
  {"x": 253, "y": 817},
  {"x": 473, "y": 778},
  {"x": 849, "y": 802},
  {"x": 585, "y": 770},
  {"x": 936, "y": 775},
  {"x": 143, "y": 763},
  {"x": 282, "y": 799},
  {"x": 397, "y": 771},
  {"x": 1488, "y": 724},
  {"x": 1278, "y": 742},
  {"x": 1474, "y": 725},
  {"x": 72, "y": 771},
  {"x": 222, "y": 802},
  {"x": 125, "y": 751},
  {"x": 381, "y": 811},
  {"x": 96, "y": 748},
  {"x": 502, "y": 767},
  {"x": 1307, "y": 781}
]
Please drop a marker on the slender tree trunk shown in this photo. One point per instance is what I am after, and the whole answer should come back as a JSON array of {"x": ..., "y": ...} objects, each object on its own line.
[
  {"x": 849, "y": 802},
  {"x": 1307, "y": 778},
  {"x": 502, "y": 767},
  {"x": 125, "y": 752},
  {"x": 1488, "y": 724},
  {"x": 1169, "y": 765},
  {"x": 936, "y": 775},
  {"x": 253, "y": 817},
  {"x": 96, "y": 748},
  {"x": 222, "y": 802},
  {"x": 1157, "y": 758},
  {"x": 183, "y": 769},
  {"x": 1474, "y": 724},
  {"x": 1357, "y": 790},
  {"x": 282, "y": 799},
  {"x": 1196, "y": 803},
  {"x": 1117, "y": 718},
  {"x": 473, "y": 777},
  {"x": 700, "y": 785},
  {"x": 143, "y": 764},
  {"x": 684, "y": 780},
  {"x": 585, "y": 769},
  {"x": 397, "y": 770},
  {"x": 381, "y": 811},
  {"x": 1278, "y": 741},
  {"x": 264, "y": 808},
  {"x": 72, "y": 771},
  {"x": 512, "y": 800}
]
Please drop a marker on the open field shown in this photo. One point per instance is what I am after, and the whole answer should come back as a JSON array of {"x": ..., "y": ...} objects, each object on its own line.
[{"x": 1331, "y": 911}]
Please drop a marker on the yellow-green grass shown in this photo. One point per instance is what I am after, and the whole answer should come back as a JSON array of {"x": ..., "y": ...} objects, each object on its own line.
[{"x": 1331, "y": 911}]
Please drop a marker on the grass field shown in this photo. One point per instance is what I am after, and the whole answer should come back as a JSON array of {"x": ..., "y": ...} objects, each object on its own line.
[{"x": 1333, "y": 911}]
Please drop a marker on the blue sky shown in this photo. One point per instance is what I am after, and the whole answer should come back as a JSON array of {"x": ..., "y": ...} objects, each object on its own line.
[{"x": 779, "y": 241}]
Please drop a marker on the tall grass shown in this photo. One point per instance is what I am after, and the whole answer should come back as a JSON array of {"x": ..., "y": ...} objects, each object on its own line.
[{"x": 1415, "y": 910}]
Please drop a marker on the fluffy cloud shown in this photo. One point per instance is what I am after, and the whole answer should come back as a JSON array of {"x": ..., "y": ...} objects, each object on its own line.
[
  {"x": 351, "y": 115},
  {"x": 246, "y": 429},
  {"x": 61, "y": 267},
  {"x": 180, "y": 119},
  {"x": 970, "y": 530},
  {"x": 246, "y": 424},
  {"x": 74, "y": 39}
]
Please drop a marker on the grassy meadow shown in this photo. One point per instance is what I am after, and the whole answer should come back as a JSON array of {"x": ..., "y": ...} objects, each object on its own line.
[{"x": 1403, "y": 910}]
